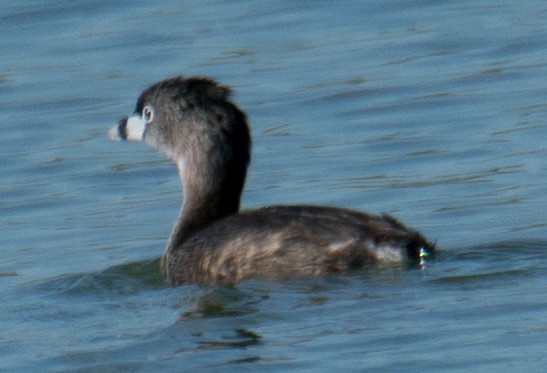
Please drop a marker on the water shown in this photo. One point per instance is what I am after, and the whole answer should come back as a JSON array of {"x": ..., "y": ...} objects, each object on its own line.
[{"x": 432, "y": 111}]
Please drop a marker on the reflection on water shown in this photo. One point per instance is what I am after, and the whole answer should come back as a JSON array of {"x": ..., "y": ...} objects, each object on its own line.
[{"x": 271, "y": 325}]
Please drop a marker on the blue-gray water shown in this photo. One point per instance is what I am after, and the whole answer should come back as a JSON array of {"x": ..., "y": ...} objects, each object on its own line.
[{"x": 433, "y": 111}]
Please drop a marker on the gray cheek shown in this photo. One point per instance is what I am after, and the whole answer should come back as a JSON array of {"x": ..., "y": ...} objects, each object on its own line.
[{"x": 157, "y": 141}]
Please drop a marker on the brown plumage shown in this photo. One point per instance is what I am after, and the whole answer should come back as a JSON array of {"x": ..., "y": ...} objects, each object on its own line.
[{"x": 194, "y": 122}]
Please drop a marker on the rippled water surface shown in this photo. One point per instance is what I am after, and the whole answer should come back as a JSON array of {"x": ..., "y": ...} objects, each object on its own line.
[{"x": 433, "y": 111}]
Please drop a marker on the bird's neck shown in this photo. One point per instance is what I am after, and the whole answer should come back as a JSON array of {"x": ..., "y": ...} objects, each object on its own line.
[{"x": 209, "y": 194}]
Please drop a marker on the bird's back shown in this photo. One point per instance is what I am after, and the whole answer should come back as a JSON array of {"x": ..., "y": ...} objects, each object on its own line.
[{"x": 288, "y": 241}]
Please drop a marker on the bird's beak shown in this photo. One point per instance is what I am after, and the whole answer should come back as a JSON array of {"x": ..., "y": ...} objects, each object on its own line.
[{"x": 131, "y": 128}]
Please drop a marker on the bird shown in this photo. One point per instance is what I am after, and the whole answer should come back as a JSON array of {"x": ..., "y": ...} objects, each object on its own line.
[{"x": 195, "y": 123}]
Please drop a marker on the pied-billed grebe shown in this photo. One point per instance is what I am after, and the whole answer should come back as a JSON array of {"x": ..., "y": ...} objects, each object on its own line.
[{"x": 194, "y": 122}]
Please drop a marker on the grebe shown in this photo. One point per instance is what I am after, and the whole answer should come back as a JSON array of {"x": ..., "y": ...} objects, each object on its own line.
[{"x": 194, "y": 122}]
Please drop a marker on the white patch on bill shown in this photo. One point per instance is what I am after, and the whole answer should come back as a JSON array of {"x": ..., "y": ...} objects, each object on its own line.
[{"x": 135, "y": 128}]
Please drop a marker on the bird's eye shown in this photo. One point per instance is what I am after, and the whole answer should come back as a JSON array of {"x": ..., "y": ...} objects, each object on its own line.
[{"x": 148, "y": 114}]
